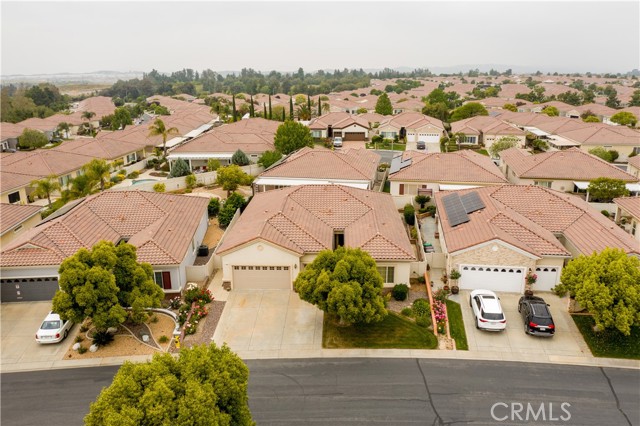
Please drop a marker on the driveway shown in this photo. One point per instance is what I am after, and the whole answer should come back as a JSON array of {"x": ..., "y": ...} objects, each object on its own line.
[
  {"x": 20, "y": 321},
  {"x": 269, "y": 321},
  {"x": 567, "y": 341}
]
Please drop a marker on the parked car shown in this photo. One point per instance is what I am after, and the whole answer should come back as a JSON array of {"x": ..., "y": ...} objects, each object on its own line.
[
  {"x": 487, "y": 310},
  {"x": 536, "y": 316},
  {"x": 337, "y": 142},
  {"x": 53, "y": 329},
  {"x": 421, "y": 145}
]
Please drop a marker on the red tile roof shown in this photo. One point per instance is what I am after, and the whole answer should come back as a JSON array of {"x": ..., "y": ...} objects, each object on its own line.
[
  {"x": 630, "y": 204},
  {"x": 12, "y": 215}
]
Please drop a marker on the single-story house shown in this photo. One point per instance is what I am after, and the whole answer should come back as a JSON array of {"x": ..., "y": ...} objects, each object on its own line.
[
  {"x": 407, "y": 105},
  {"x": 9, "y": 133},
  {"x": 283, "y": 230},
  {"x": 618, "y": 138},
  {"x": 351, "y": 167},
  {"x": 495, "y": 235},
  {"x": 570, "y": 170},
  {"x": 340, "y": 124},
  {"x": 633, "y": 167},
  {"x": 415, "y": 127},
  {"x": 15, "y": 219},
  {"x": 485, "y": 130},
  {"x": 628, "y": 215},
  {"x": 166, "y": 229}
]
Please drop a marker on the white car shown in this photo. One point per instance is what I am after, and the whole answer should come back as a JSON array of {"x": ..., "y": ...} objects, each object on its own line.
[
  {"x": 487, "y": 310},
  {"x": 337, "y": 142},
  {"x": 53, "y": 329}
]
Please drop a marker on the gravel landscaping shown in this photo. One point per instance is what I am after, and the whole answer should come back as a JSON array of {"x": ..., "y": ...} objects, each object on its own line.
[
  {"x": 206, "y": 328},
  {"x": 416, "y": 291}
]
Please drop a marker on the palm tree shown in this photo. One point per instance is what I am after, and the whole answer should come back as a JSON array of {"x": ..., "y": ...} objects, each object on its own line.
[
  {"x": 44, "y": 187},
  {"x": 88, "y": 115},
  {"x": 63, "y": 128},
  {"x": 158, "y": 128},
  {"x": 98, "y": 170},
  {"x": 82, "y": 186}
]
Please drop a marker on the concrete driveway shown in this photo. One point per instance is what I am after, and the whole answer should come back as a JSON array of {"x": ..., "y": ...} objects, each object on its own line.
[
  {"x": 263, "y": 322},
  {"x": 19, "y": 322},
  {"x": 567, "y": 341}
]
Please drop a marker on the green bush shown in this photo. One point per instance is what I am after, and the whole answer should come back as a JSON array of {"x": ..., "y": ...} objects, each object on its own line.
[
  {"x": 409, "y": 214},
  {"x": 424, "y": 210},
  {"x": 102, "y": 338},
  {"x": 133, "y": 175},
  {"x": 116, "y": 179},
  {"x": 82, "y": 350},
  {"x": 191, "y": 180},
  {"x": 605, "y": 213},
  {"x": 214, "y": 207},
  {"x": 159, "y": 187},
  {"x": 163, "y": 339},
  {"x": 423, "y": 321},
  {"x": 400, "y": 292},
  {"x": 407, "y": 312},
  {"x": 421, "y": 307},
  {"x": 431, "y": 210},
  {"x": 78, "y": 339}
]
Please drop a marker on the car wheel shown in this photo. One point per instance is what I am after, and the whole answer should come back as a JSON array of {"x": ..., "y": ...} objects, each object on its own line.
[
  {"x": 526, "y": 329},
  {"x": 66, "y": 333}
]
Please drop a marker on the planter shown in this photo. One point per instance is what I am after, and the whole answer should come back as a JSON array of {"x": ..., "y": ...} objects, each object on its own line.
[
  {"x": 455, "y": 289},
  {"x": 446, "y": 288},
  {"x": 528, "y": 293}
]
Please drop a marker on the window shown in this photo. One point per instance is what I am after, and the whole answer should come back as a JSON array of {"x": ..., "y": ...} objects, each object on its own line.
[
  {"x": 14, "y": 197},
  {"x": 469, "y": 140},
  {"x": 543, "y": 183},
  {"x": 388, "y": 135},
  {"x": 163, "y": 279},
  {"x": 338, "y": 239},
  {"x": 64, "y": 180},
  {"x": 131, "y": 158},
  {"x": 387, "y": 273},
  {"x": 17, "y": 229},
  {"x": 633, "y": 228},
  {"x": 316, "y": 133}
]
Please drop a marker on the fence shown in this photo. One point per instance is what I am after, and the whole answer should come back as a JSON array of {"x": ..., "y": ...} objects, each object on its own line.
[{"x": 201, "y": 272}]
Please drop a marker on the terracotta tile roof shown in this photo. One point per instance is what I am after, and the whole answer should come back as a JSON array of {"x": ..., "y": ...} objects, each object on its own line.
[
  {"x": 106, "y": 147},
  {"x": 100, "y": 105},
  {"x": 635, "y": 161},
  {"x": 411, "y": 120},
  {"x": 602, "y": 134},
  {"x": 10, "y": 130},
  {"x": 570, "y": 164},
  {"x": 372, "y": 117},
  {"x": 530, "y": 217},
  {"x": 596, "y": 109},
  {"x": 337, "y": 120},
  {"x": 12, "y": 215},
  {"x": 303, "y": 219},
  {"x": 160, "y": 225},
  {"x": 459, "y": 166},
  {"x": 485, "y": 124},
  {"x": 630, "y": 204}
]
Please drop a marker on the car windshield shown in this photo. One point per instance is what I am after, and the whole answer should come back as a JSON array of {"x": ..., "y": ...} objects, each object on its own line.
[
  {"x": 50, "y": 325},
  {"x": 540, "y": 310}
]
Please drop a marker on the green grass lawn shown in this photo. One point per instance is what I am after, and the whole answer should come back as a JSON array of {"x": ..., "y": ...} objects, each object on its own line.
[
  {"x": 394, "y": 332},
  {"x": 483, "y": 152},
  {"x": 609, "y": 343},
  {"x": 396, "y": 146},
  {"x": 456, "y": 325}
]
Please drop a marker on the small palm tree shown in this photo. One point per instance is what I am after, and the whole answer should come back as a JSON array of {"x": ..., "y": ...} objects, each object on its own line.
[
  {"x": 88, "y": 115},
  {"x": 63, "y": 129},
  {"x": 81, "y": 186},
  {"x": 158, "y": 128},
  {"x": 98, "y": 170},
  {"x": 44, "y": 187}
]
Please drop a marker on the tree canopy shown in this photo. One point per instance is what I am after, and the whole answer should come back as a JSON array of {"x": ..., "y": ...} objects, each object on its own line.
[
  {"x": 470, "y": 109},
  {"x": 608, "y": 285},
  {"x": 291, "y": 136},
  {"x": 45, "y": 187},
  {"x": 97, "y": 170},
  {"x": 502, "y": 144},
  {"x": 551, "y": 111},
  {"x": 179, "y": 168},
  {"x": 229, "y": 207},
  {"x": 239, "y": 158},
  {"x": 345, "y": 284},
  {"x": 32, "y": 139},
  {"x": 624, "y": 118},
  {"x": 158, "y": 128},
  {"x": 231, "y": 177},
  {"x": 204, "y": 386},
  {"x": 606, "y": 189},
  {"x": 268, "y": 158},
  {"x": 383, "y": 105}
]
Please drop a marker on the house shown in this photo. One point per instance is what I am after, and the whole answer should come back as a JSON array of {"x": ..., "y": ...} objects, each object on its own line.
[
  {"x": 350, "y": 167},
  {"x": 415, "y": 127},
  {"x": 15, "y": 219},
  {"x": 494, "y": 235},
  {"x": 9, "y": 134},
  {"x": 618, "y": 138},
  {"x": 283, "y": 230},
  {"x": 603, "y": 112},
  {"x": 485, "y": 130},
  {"x": 166, "y": 230},
  {"x": 570, "y": 170},
  {"x": 628, "y": 215},
  {"x": 634, "y": 166},
  {"x": 404, "y": 105},
  {"x": 373, "y": 118},
  {"x": 340, "y": 124}
]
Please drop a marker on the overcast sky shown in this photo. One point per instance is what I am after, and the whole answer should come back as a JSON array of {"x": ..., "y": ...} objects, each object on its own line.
[{"x": 138, "y": 36}]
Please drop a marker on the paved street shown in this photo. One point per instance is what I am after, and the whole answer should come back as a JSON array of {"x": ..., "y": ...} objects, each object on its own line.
[{"x": 365, "y": 391}]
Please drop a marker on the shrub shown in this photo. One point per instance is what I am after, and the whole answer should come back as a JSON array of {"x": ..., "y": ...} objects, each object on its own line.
[
  {"x": 605, "y": 213},
  {"x": 78, "y": 339},
  {"x": 133, "y": 175},
  {"x": 424, "y": 210},
  {"x": 154, "y": 318},
  {"x": 409, "y": 214},
  {"x": 441, "y": 295},
  {"x": 407, "y": 312},
  {"x": 195, "y": 295},
  {"x": 423, "y": 321},
  {"x": 115, "y": 179},
  {"x": 163, "y": 339},
  {"x": 188, "y": 191},
  {"x": 421, "y": 307},
  {"x": 102, "y": 338},
  {"x": 82, "y": 350},
  {"x": 400, "y": 292},
  {"x": 180, "y": 168},
  {"x": 214, "y": 207},
  {"x": 239, "y": 158},
  {"x": 431, "y": 210},
  {"x": 159, "y": 187},
  {"x": 83, "y": 328},
  {"x": 190, "y": 180},
  {"x": 422, "y": 200},
  {"x": 175, "y": 302},
  {"x": 414, "y": 233},
  {"x": 152, "y": 163}
]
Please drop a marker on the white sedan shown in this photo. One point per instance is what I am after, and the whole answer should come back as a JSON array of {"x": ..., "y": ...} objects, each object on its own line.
[
  {"x": 487, "y": 310},
  {"x": 53, "y": 329}
]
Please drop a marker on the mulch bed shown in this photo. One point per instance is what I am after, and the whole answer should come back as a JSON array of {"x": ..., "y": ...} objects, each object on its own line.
[
  {"x": 206, "y": 327},
  {"x": 416, "y": 291}
]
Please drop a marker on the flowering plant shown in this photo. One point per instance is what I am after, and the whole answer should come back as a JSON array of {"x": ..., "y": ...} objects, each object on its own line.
[
  {"x": 531, "y": 278},
  {"x": 438, "y": 311},
  {"x": 174, "y": 303}
]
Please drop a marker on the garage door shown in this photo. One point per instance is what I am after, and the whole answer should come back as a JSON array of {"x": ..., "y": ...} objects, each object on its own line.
[
  {"x": 354, "y": 136},
  {"x": 28, "y": 289},
  {"x": 495, "y": 278},
  {"x": 252, "y": 277},
  {"x": 547, "y": 278},
  {"x": 428, "y": 137}
]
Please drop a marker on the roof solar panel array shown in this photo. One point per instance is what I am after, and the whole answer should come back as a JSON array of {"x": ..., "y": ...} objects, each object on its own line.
[{"x": 458, "y": 207}]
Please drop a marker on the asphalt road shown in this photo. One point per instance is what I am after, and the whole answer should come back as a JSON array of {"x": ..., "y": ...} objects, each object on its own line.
[{"x": 371, "y": 391}]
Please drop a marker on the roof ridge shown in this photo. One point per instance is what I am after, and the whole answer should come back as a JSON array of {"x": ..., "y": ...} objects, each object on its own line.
[{"x": 296, "y": 225}]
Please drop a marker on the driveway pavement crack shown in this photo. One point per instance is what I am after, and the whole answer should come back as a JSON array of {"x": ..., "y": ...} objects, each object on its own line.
[
  {"x": 615, "y": 395},
  {"x": 438, "y": 419}
]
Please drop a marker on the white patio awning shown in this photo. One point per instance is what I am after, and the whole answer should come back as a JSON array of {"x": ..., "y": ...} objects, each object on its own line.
[
  {"x": 581, "y": 185},
  {"x": 456, "y": 187},
  {"x": 537, "y": 131},
  {"x": 633, "y": 187},
  {"x": 295, "y": 182},
  {"x": 199, "y": 155},
  {"x": 198, "y": 131},
  {"x": 173, "y": 142}
]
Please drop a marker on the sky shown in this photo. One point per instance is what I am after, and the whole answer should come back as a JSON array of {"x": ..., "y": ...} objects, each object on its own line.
[{"x": 80, "y": 37}]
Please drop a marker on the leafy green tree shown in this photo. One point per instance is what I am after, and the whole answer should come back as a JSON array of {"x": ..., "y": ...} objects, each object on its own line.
[
  {"x": 291, "y": 136},
  {"x": 213, "y": 208},
  {"x": 63, "y": 129},
  {"x": 121, "y": 118},
  {"x": 624, "y": 118},
  {"x": 239, "y": 158},
  {"x": 438, "y": 110},
  {"x": 190, "y": 180},
  {"x": 551, "y": 111},
  {"x": 505, "y": 142},
  {"x": 32, "y": 139},
  {"x": 383, "y": 105},
  {"x": 635, "y": 98},
  {"x": 213, "y": 164},
  {"x": 234, "y": 202},
  {"x": 98, "y": 170},
  {"x": 606, "y": 189},
  {"x": 603, "y": 153},
  {"x": 608, "y": 285},
  {"x": 270, "y": 111},
  {"x": 231, "y": 177},
  {"x": 290, "y": 109},
  {"x": 539, "y": 145},
  {"x": 510, "y": 107},
  {"x": 268, "y": 158},
  {"x": 344, "y": 284},
  {"x": 81, "y": 186},
  {"x": 158, "y": 128},
  {"x": 409, "y": 214},
  {"x": 45, "y": 187},
  {"x": 88, "y": 115},
  {"x": 470, "y": 109},
  {"x": 233, "y": 108},
  {"x": 179, "y": 168},
  {"x": 205, "y": 385}
]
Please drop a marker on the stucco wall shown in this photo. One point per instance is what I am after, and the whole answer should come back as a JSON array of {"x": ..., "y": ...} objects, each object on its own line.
[
  {"x": 491, "y": 254},
  {"x": 12, "y": 235}
]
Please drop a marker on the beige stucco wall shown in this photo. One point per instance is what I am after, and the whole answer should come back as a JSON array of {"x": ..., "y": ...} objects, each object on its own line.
[
  {"x": 634, "y": 171},
  {"x": 23, "y": 195},
  {"x": 12, "y": 235},
  {"x": 486, "y": 255}
]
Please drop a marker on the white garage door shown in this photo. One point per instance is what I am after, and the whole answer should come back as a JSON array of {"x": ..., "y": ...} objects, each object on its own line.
[
  {"x": 255, "y": 277},
  {"x": 495, "y": 278},
  {"x": 428, "y": 137},
  {"x": 547, "y": 278}
]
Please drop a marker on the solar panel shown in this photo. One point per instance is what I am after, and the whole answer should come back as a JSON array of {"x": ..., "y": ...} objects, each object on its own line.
[
  {"x": 472, "y": 202},
  {"x": 455, "y": 210}
]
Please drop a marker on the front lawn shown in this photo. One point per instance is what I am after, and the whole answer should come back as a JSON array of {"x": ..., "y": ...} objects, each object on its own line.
[
  {"x": 394, "y": 332},
  {"x": 387, "y": 146},
  {"x": 456, "y": 325},
  {"x": 609, "y": 343}
]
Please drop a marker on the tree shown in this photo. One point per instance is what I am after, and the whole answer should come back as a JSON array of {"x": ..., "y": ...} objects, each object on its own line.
[
  {"x": 624, "y": 118},
  {"x": 438, "y": 110},
  {"x": 213, "y": 208},
  {"x": 510, "y": 107},
  {"x": 290, "y": 109},
  {"x": 268, "y": 158},
  {"x": 191, "y": 180},
  {"x": 470, "y": 109},
  {"x": 291, "y": 136},
  {"x": 344, "y": 284},
  {"x": 539, "y": 145},
  {"x": 635, "y": 98},
  {"x": 82, "y": 185},
  {"x": 608, "y": 285},
  {"x": 603, "y": 153},
  {"x": 239, "y": 158},
  {"x": 158, "y": 128},
  {"x": 270, "y": 115},
  {"x": 422, "y": 200},
  {"x": 606, "y": 189},
  {"x": 383, "y": 105},
  {"x": 98, "y": 170},
  {"x": 205, "y": 385},
  {"x": 30, "y": 139},
  {"x": 231, "y": 177},
  {"x": 505, "y": 142},
  {"x": 591, "y": 119},
  {"x": 252, "y": 112},
  {"x": 213, "y": 164},
  {"x": 233, "y": 202},
  {"x": 179, "y": 168},
  {"x": 233, "y": 108},
  {"x": 63, "y": 129},
  {"x": 551, "y": 111},
  {"x": 88, "y": 115},
  {"x": 121, "y": 118},
  {"x": 45, "y": 187},
  {"x": 320, "y": 107}
]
